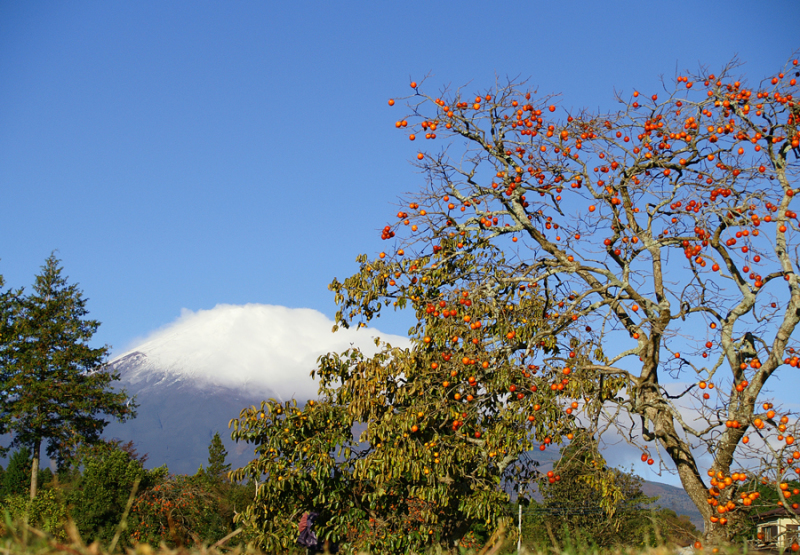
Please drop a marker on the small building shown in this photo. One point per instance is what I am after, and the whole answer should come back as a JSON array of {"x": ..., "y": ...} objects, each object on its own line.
[{"x": 777, "y": 528}]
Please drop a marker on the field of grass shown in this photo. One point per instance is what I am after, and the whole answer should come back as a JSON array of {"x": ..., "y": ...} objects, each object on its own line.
[{"x": 20, "y": 539}]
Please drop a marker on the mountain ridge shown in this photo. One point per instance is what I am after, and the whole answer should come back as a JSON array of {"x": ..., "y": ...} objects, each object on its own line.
[
  {"x": 178, "y": 415},
  {"x": 674, "y": 498}
]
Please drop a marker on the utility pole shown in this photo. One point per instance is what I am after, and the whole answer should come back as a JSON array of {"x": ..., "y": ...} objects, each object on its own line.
[{"x": 519, "y": 504}]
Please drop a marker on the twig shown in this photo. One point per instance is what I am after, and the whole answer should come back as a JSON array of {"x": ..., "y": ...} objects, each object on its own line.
[
  {"x": 124, "y": 522},
  {"x": 36, "y": 532},
  {"x": 495, "y": 542},
  {"x": 226, "y": 538}
]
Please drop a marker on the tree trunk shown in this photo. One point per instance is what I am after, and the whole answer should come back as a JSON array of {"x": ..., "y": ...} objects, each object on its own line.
[
  {"x": 35, "y": 469},
  {"x": 680, "y": 453}
]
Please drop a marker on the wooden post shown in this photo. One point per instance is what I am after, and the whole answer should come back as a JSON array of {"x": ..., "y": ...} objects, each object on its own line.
[{"x": 519, "y": 503}]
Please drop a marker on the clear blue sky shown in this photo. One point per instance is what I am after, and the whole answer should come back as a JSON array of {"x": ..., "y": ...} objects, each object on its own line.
[{"x": 184, "y": 154}]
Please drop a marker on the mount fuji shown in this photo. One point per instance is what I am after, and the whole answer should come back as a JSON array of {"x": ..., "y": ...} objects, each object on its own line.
[{"x": 194, "y": 375}]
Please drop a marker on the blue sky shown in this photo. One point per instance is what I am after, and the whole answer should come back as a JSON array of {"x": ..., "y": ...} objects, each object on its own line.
[
  {"x": 179, "y": 155},
  {"x": 184, "y": 154}
]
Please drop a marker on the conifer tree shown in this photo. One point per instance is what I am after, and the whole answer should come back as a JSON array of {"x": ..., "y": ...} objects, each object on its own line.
[
  {"x": 15, "y": 478},
  {"x": 217, "y": 467},
  {"x": 585, "y": 499},
  {"x": 54, "y": 388}
]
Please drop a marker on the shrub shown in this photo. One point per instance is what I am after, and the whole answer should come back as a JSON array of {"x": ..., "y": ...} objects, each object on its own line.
[
  {"x": 46, "y": 512},
  {"x": 104, "y": 487},
  {"x": 176, "y": 512}
]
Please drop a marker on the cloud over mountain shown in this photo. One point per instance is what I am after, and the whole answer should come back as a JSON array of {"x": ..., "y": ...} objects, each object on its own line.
[
  {"x": 263, "y": 348},
  {"x": 192, "y": 376}
]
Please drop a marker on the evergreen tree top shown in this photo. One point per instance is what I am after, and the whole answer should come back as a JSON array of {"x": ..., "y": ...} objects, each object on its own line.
[
  {"x": 217, "y": 467},
  {"x": 54, "y": 386}
]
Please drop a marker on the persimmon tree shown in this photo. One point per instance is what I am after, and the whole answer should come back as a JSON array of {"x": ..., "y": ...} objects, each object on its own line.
[
  {"x": 659, "y": 241},
  {"x": 631, "y": 272},
  {"x": 412, "y": 446}
]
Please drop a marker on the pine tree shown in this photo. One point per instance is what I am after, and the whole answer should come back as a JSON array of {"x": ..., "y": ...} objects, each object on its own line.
[
  {"x": 9, "y": 306},
  {"x": 16, "y": 476},
  {"x": 588, "y": 501},
  {"x": 53, "y": 385},
  {"x": 217, "y": 467}
]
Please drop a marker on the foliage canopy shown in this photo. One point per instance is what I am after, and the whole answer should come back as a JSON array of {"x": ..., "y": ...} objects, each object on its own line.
[{"x": 568, "y": 269}]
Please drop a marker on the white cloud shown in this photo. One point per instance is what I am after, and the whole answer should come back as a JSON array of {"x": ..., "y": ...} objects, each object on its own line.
[{"x": 263, "y": 347}]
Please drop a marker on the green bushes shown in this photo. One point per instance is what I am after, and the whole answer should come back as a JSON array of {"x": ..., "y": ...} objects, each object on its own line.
[
  {"x": 177, "y": 512},
  {"x": 101, "y": 492},
  {"x": 46, "y": 512},
  {"x": 95, "y": 489}
]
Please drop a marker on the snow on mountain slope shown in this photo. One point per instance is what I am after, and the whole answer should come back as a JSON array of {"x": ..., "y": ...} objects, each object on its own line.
[
  {"x": 254, "y": 346},
  {"x": 192, "y": 376}
]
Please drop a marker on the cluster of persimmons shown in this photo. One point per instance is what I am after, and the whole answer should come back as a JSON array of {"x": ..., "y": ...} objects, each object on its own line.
[
  {"x": 569, "y": 272},
  {"x": 580, "y": 204}
]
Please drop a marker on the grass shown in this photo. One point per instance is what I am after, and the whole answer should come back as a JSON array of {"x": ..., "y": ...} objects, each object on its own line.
[{"x": 22, "y": 539}]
